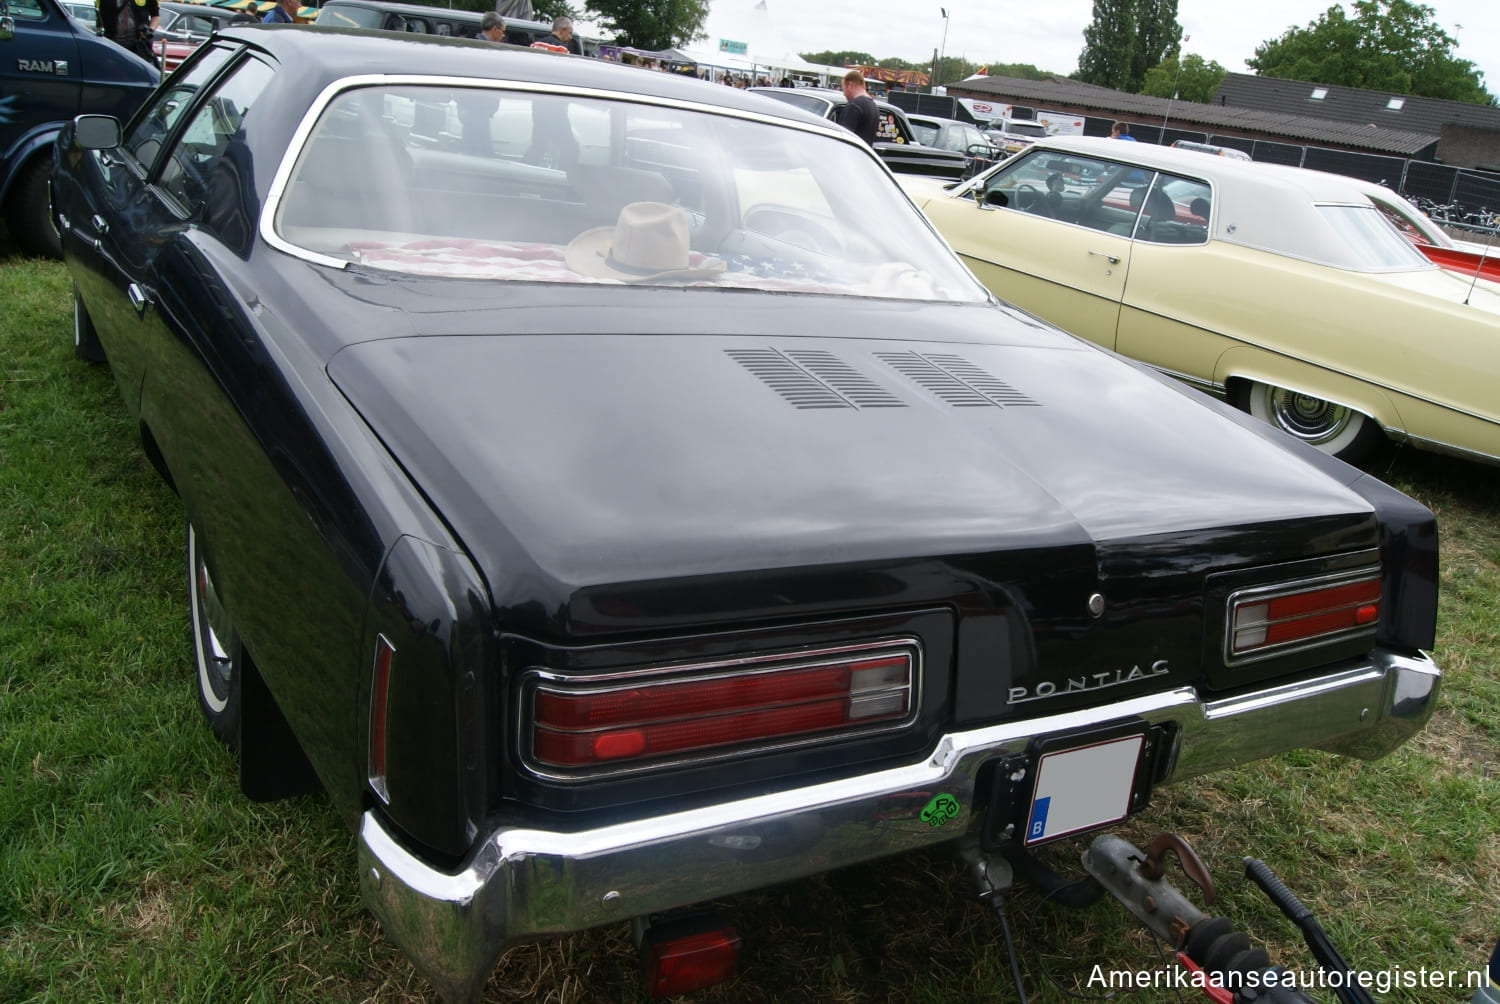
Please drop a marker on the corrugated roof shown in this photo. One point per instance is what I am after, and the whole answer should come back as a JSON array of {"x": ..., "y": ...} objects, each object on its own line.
[
  {"x": 1300, "y": 128},
  {"x": 1352, "y": 104}
]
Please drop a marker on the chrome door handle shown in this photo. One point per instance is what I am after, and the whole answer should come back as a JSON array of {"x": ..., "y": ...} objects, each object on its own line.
[
  {"x": 101, "y": 225},
  {"x": 138, "y": 298},
  {"x": 1112, "y": 259}
]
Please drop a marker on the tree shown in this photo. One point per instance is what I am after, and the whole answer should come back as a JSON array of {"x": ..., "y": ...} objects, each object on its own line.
[
  {"x": 845, "y": 58},
  {"x": 1388, "y": 45},
  {"x": 1192, "y": 79},
  {"x": 546, "y": 10},
  {"x": 1021, "y": 71},
  {"x": 1125, "y": 39},
  {"x": 651, "y": 24}
]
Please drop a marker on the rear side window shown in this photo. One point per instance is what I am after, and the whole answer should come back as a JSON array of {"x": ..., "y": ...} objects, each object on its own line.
[{"x": 208, "y": 166}]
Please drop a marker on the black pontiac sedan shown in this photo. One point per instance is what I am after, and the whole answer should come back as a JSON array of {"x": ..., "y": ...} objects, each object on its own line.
[{"x": 614, "y": 494}]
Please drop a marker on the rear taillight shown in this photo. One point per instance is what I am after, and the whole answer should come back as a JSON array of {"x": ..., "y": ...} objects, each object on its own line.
[
  {"x": 1270, "y": 620},
  {"x": 380, "y": 684},
  {"x": 592, "y": 726}
]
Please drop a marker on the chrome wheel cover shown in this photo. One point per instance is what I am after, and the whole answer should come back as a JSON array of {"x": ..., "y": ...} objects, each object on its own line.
[
  {"x": 1311, "y": 419},
  {"x": 212, "y": 632}
]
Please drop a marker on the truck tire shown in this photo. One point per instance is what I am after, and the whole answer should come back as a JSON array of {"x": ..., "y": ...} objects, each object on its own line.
[{"x": 28, "y": 210}]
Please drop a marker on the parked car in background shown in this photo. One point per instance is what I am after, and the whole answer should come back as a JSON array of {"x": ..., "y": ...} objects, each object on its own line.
[
  {"x": 1015, "y": 135},
  {"x": 85, "y": 12},
  {"x": 52, "y": 67},
  {"x": 960, "y": 137},
  {"x": 1464, "y": 256},
  {"x": 1285, "y": 291},
  {"x": 185, "y": 26},
  {"x": 1217, "y": 151},
  {"x": 198, "y": 21},
  {"x": 612, "y": 539},
  {"x": 896, "y": 141}
]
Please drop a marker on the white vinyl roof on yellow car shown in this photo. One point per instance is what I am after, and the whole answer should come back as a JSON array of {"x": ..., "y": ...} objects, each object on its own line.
[{"x": 1311, "y": 215}]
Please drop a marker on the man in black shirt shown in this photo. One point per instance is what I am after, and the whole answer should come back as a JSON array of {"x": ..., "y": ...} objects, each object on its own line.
[
  {"x": 131, "y": 23},
  {"x": 859, "y": 115},
  {"x": 562, "y": 37}
]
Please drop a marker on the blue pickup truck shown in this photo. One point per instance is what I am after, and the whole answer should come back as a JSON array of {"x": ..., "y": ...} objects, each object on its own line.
[{"x": 52, "y": 67}]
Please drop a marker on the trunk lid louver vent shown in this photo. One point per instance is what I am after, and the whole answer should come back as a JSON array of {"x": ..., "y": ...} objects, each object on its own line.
[
  {"x": 813, "y": 378},
  {"x": 956, "y": 380},
  {"x": 810, "y": 378}
]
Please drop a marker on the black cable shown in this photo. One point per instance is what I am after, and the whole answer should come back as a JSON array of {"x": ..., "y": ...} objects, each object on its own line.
[{"x": 998, "y": 902}]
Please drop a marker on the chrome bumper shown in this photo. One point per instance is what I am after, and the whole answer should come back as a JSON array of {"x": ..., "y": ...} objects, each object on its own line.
[{"x": 523, "y": 882}]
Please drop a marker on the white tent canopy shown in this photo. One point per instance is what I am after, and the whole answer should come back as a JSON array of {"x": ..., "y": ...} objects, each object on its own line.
[{"x": 742, "y": 37}]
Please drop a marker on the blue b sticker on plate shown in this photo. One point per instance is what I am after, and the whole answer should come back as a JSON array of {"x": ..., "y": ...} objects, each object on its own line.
[{"x": 1038, "y": 825}]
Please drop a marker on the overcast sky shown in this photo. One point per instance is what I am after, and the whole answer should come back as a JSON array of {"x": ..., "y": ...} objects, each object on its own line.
[{"x": 1050, "y": 34}]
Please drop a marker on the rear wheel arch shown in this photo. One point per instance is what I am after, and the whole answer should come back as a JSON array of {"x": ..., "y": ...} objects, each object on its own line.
[
  {"x": 1347, "y": 431},
  {"x": 234, "y": 699},
  {"x": 1241, "y": 365}
]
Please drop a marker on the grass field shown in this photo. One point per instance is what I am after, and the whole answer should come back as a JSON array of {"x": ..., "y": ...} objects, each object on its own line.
[{"x": 131, "y": 869}]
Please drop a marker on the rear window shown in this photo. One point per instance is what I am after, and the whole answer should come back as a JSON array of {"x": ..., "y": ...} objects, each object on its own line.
[
  {"x": 1370, "y": 240},
  {"x": 488, "y": 183}
]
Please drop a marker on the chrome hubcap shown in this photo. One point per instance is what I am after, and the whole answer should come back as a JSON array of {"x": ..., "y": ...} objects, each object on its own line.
[
  {"x": 212, "y": 630},
  {"x": 1311, "y": 419}
]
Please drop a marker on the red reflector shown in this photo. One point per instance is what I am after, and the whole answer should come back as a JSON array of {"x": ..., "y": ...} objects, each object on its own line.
[
  {"x": 580, "y": 722},
  {"x": 691, "y": 963},
  {"x": 379, "y": 689},
  {"x": 1262, "y": 622}
]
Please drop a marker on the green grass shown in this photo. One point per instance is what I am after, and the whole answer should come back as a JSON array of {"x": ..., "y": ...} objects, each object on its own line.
[{"x": 131, "y": 869}]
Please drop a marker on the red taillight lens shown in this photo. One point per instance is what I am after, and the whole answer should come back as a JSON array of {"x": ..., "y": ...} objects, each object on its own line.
[
  {"x": 380, "y": 683},
  {"x": 716, "y": 707},
  {"x": 1262, "y": 620},
  {"x": 692, "y": 962}
]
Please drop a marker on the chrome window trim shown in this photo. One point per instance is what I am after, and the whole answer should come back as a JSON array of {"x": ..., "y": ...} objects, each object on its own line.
[
  {"x": 536, "y": 678},
  {"x": 300, "y": 135},
  {"x": 1364, "y": 573}
]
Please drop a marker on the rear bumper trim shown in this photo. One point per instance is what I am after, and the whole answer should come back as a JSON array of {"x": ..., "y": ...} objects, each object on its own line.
[{"x": 521, "y": 882}]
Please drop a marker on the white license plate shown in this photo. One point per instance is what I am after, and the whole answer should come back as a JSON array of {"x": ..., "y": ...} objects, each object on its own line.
[{"x": 1083, "y": 789}]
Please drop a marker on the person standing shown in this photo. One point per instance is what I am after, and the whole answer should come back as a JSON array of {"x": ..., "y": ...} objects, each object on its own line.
[
  {"x": 859, "y": 114},
  {"x": 285, "y": 12},
  {"x": 562, "y": 37},
  {"x": 131, "y": 23},
  {"x": 1121, "y": 130},
  {"x": 492, "y": 27}
]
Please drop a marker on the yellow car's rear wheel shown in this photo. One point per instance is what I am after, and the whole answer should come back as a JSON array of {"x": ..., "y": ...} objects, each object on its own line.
[{"x": 1332, "y": 428}]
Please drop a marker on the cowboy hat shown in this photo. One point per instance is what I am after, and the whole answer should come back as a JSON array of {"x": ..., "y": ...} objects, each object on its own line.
[{"x": 648, "y": 243}]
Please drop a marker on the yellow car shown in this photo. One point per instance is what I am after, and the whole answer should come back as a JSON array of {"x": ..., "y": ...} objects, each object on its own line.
[{"x": 1285, "y": 291}]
